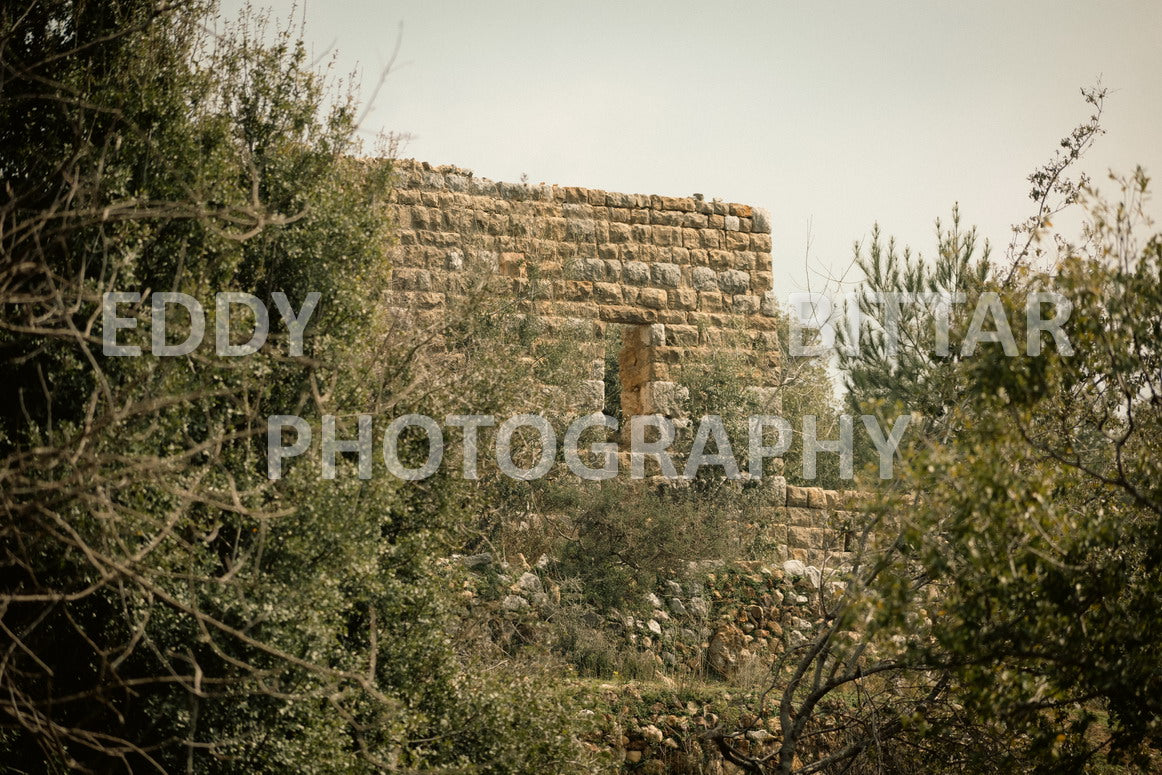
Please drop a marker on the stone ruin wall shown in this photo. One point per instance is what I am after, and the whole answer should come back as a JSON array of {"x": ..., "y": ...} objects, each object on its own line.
[
  {"x": 683, "y": 276},
  {"x": 816, "y": 526}
]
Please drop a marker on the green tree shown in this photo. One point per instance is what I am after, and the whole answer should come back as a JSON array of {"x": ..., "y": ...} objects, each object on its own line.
[
  {"x": 1041, "y": 518},
  {"x": 907, "y": 303},
  {"x": 166, "y": 605},
  {"x": 1002, "y": 611}
]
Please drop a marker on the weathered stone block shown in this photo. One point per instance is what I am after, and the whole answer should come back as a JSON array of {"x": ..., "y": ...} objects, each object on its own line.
[
  {"x": 760, "y": 280},
  {"x": 654, "y": 335},
  {"x": 405, "y": 279},
  {"x": 606, "y": 252},
  {"x": 761, "y": 221},
  {"x": 653, "y": 298},
  {"x": 636, "y": 272},
  {"x": 709, "y": 238},
  {"x": 815, "y": 539},
  {"x": 704, "y": 278},
  {"x": 684, "y": 299},
  {"x": 608, "y": 293},
  {"x": 733, "y": 281},
  {"x": 625, "y": 314},
  {"x": 634, "y": 251},
  {"x": 685, "y": 204},
  {"x": 667, "y": 236},
  {"x": 512, "y": 265},
  {"x": 583, "y": 249},
  {"x": 720, "y": 260},
  {"x": 694, "y": 221},
  {"x": 709, "y": 301},
  {"x": 590, "y": 269},
  {"x": 731, "y": 223},
  {"x": 739, "y": 242},
  {"x": 672, "y": 354},
  {"x": 601, "y": 231},
  {"x": 453, "y": 260},
  {"x": 667, "y": 275},
  {"x": 768, "y": 343},
  {"x": 577, "y": 211},
  {"x": 576, "y": 194},
  {"x": 801, "y": 537},
  {"x": 618, "y": 200},
  {"x": 745, "y": 304},
  {"x": 682, "y": 335},
  {"x": 801, "y": 517},
  {"x": 620, "y": 232}
]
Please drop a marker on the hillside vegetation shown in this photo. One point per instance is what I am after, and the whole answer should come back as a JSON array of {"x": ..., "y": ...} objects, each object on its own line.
[{"x": 166, "y": 605}]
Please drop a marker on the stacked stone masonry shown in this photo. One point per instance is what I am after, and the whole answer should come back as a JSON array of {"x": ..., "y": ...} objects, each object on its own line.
[
  {"x": 815, "y": 526},
  {"x": 821, "y": 524},
  {"x": 683, "y": 275}
]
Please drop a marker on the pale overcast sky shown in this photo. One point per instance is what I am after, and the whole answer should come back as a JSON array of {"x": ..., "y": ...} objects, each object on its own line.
[{"x": 831, "y": 115}]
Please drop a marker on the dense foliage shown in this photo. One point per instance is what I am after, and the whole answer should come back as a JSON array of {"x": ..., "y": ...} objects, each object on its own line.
[
  {"x": 1041, "y": 518},
  {"x": 165, "y": 605}
]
